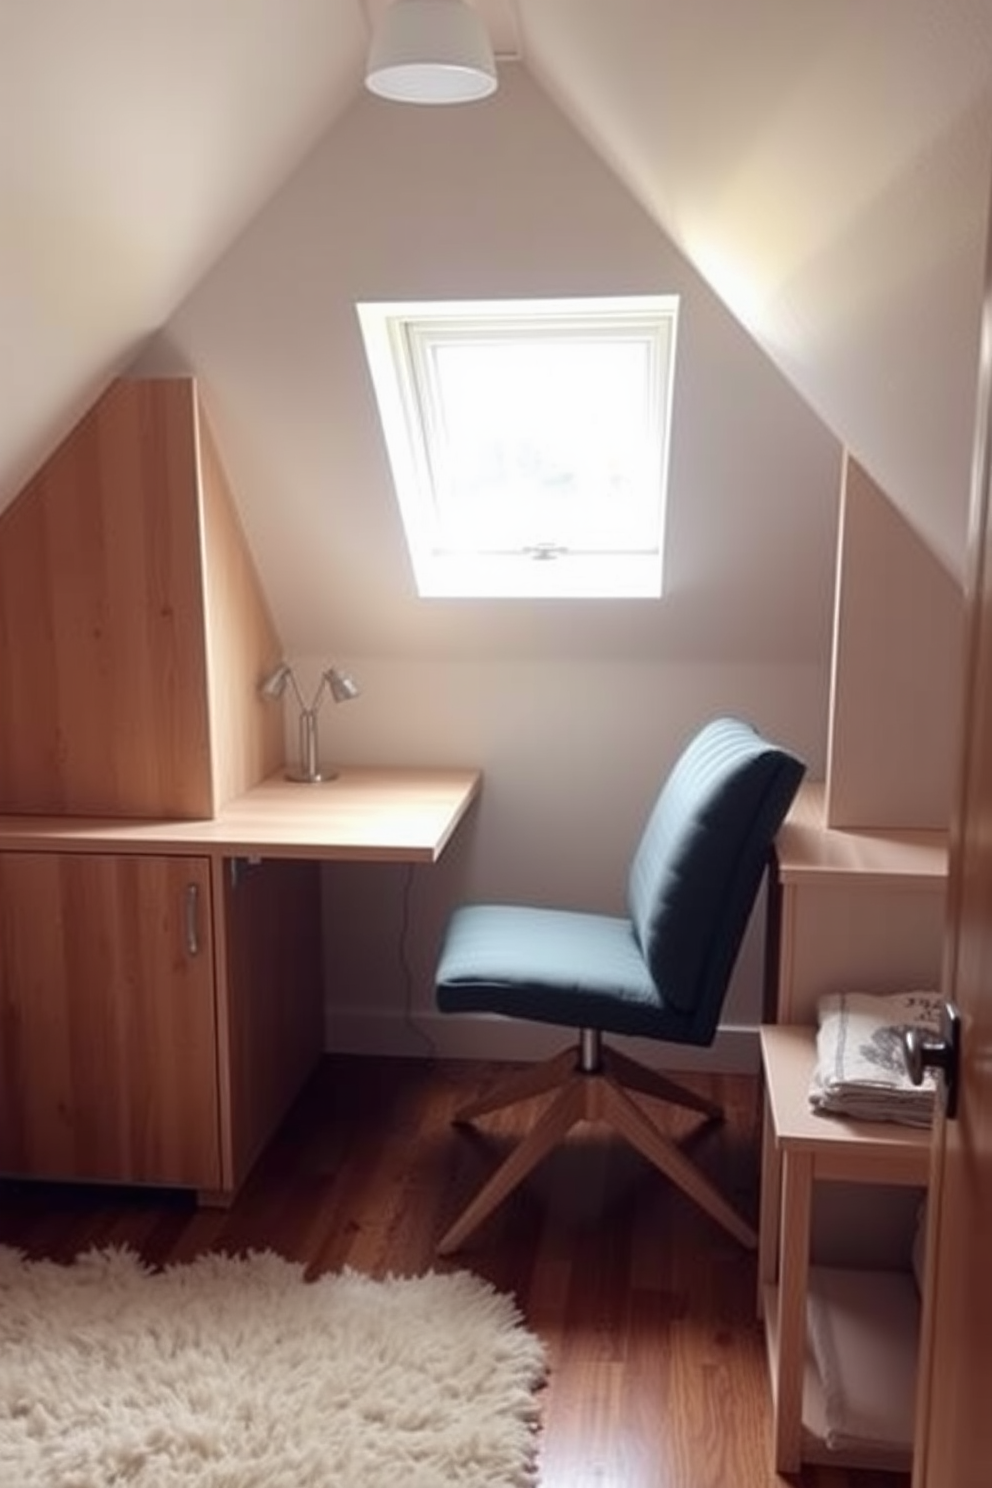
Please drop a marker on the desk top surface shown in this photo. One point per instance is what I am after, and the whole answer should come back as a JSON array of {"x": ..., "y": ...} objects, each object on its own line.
[{"x": 375, "y": 815}]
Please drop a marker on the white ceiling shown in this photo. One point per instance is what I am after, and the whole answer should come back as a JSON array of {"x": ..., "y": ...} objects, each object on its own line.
[{"x": 825, "y": 165}]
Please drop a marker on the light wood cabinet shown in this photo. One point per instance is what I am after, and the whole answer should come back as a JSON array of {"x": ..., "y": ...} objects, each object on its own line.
[
  {"x": 860, "y": 911},
  {"x": 161, "y": 980},
  {"x": 137, "y": 996},
  {"x": 117, "y": 1037},
  {"x": 802, "y": 1151},
  {"x": 108, "y": 1045}
]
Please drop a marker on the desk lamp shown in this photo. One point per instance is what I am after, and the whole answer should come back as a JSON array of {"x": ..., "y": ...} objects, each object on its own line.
[{"x": 342, "y": 689}]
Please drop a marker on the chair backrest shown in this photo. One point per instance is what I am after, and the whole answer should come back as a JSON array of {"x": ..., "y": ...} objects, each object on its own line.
[{"x": 698, "y": 868}]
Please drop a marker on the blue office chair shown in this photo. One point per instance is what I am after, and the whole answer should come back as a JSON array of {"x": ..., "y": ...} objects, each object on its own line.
[{"x": 661, "y": 973}]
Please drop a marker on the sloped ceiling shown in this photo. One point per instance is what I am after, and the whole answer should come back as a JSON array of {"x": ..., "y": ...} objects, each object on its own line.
[
  {"x": 824, "y": 166},
  {"x": 137, "y": 141},
  {"x": 827, "y": 168}
]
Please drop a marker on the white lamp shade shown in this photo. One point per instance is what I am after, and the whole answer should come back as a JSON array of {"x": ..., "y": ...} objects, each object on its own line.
[{"x": 431, "y": 51}]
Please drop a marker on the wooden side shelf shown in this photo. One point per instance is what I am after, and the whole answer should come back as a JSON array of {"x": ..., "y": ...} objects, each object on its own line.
[{"x": 800, "y": 1149}]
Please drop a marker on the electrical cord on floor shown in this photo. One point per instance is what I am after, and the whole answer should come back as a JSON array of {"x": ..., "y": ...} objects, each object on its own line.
[{"x": 406, "y": 967}]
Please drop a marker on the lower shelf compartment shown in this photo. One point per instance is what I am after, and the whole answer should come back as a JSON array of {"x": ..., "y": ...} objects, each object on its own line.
[{"x": 867, "y": 1323}]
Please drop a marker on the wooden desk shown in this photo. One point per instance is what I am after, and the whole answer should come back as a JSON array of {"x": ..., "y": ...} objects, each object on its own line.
[
  {"x": 800, "y": 1149},
  {"x": 396, "y": 816},
  {"x": 161, "y": 984}
]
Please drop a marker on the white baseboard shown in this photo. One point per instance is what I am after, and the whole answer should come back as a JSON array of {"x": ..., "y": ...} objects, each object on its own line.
[{"x": 440, "y": 1036}]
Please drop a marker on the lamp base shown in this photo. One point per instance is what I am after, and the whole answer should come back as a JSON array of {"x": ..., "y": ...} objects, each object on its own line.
[{"x": 318, "y": 778}]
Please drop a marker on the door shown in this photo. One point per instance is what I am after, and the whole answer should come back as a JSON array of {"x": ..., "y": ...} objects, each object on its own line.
[
  {"x": 954, "y": 1436},
  {"x": 108, "y": 1053}
]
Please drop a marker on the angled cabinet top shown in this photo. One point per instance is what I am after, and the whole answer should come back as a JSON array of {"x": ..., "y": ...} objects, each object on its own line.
[{"x": 132, "y": 625}]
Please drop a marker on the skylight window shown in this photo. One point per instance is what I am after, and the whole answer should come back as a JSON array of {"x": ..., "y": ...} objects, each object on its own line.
[{"x": 528, "y": 441}]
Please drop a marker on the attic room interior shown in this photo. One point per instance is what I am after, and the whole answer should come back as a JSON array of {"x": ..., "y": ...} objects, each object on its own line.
[{"x": 220, "y": 1029}]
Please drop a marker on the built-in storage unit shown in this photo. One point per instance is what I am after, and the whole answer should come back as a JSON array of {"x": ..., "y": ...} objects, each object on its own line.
[
  {"x": 859, "y": 890},
  {"x": 801, "y": 1150},
  {"x": 161, "y": 983},
  {"x": 158, "y": 1010},
  {"x": 860, "y": 911}
]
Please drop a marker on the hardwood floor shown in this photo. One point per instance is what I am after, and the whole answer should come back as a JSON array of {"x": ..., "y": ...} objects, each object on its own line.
[{"x": 657, "y": 1366}]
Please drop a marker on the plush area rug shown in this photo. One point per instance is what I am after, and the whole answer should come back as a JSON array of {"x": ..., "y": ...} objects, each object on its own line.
[{"x": 235, "y": 1372}]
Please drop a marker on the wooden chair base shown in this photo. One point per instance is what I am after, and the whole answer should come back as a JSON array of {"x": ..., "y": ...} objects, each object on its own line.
[{"x": 593, "y": 1095}]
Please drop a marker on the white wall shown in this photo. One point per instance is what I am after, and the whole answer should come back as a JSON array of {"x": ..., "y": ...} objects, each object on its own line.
[{"x": 573, "y": 711}]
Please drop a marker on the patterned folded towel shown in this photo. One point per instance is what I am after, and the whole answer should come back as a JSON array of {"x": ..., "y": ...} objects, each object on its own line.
[{"x": 860, "y": 1070}]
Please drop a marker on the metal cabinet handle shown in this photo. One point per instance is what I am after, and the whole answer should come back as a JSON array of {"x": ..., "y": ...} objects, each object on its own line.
[{"x": 193, "y": 919}]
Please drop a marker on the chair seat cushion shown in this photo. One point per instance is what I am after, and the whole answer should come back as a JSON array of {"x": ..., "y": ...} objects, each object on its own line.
[{"x": 551, "y": 966}]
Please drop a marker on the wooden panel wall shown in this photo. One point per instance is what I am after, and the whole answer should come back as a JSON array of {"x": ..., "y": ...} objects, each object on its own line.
[
  {"x": 133, "y": 629},
  {"x": 102, "y": 668},
  {"x": 246, "y": 734}
]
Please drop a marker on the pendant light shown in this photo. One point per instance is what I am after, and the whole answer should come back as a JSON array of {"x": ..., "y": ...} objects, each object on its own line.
[{"x": 431, "y": 51}]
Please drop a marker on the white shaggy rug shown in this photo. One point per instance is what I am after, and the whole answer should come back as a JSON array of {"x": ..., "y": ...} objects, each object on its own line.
[{"x": 234, "y": 1372}]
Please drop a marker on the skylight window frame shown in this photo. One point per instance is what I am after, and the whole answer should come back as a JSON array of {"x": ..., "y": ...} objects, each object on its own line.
[{"x": 401, "y": 341}]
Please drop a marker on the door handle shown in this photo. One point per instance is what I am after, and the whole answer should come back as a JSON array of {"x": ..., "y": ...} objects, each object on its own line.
[{"x": 922, "y": 1051}]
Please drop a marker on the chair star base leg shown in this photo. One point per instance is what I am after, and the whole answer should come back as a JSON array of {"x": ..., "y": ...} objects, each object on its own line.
[
  {"x": 592, "y": 1097},
  {"x": 553, "y": 1125}
]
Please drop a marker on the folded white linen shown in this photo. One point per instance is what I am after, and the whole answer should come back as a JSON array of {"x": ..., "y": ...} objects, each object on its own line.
[
  {"x": 860, "y": 1069},
  {"x": 863, "y": 1330}
]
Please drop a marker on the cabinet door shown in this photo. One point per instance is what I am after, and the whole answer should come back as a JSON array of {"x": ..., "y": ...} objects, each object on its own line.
[{"x": 108, "y": 1057}]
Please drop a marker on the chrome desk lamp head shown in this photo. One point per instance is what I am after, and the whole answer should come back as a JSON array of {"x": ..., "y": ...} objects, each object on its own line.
[{"x": 342, "y": 689}]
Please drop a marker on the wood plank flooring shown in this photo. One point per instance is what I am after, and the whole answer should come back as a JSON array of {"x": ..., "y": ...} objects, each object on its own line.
[{"x": 657, "y": 1365}]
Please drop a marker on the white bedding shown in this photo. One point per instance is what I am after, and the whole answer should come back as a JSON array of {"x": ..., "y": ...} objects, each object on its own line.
[{"x": 863, "y": 1329}]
